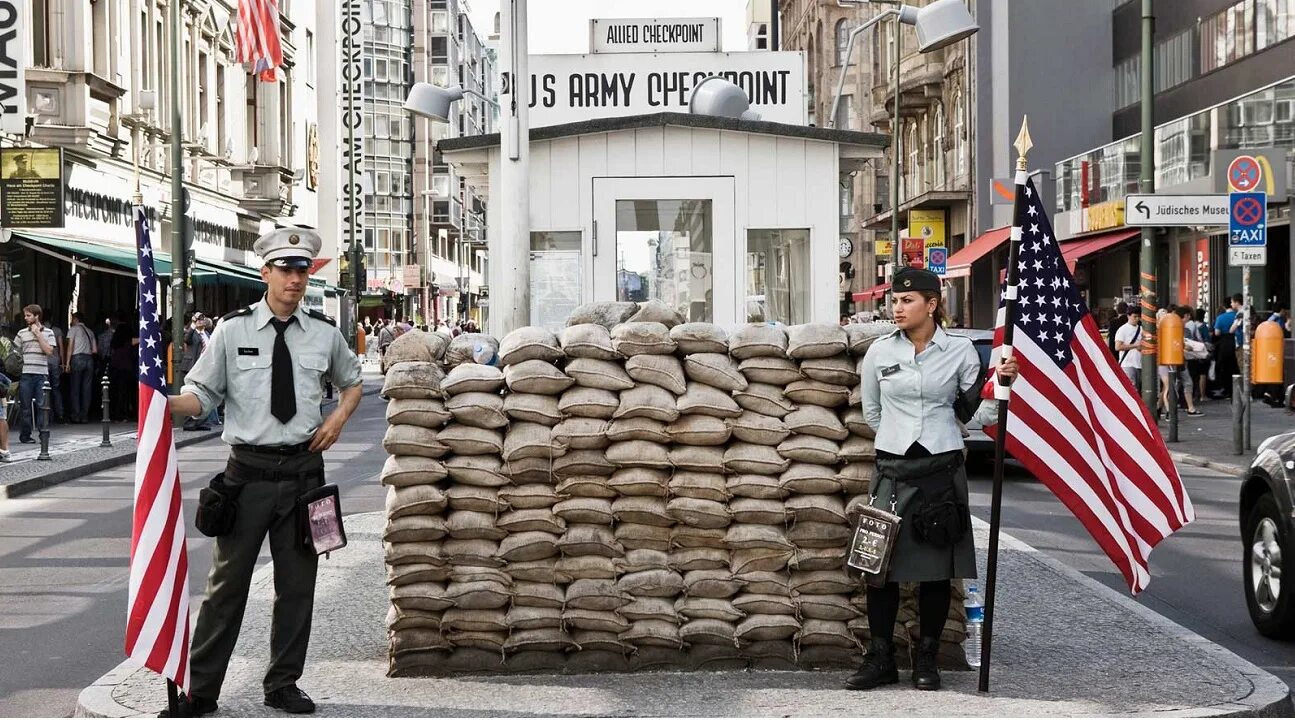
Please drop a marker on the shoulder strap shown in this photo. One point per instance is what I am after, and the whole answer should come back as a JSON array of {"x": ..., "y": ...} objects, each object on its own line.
[
  {"x": 237, "y": 313},
  {"x": 321, "y": 316}
]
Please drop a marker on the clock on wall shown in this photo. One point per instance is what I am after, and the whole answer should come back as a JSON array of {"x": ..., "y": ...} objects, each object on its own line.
[{"x": 846, "y": 248}]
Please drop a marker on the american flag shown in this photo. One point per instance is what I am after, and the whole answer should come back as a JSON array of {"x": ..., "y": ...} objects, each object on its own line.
[
  {"x": 1075, "y": 420},
  {"x": 258, "y": 37},
  {"x": 157, "y": 623}
]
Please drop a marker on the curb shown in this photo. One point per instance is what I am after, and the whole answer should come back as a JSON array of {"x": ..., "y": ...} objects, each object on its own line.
[
  {"x": 40, "y": 482},
  {"x": 1204, "y": 462},
  {"x": 1269, "y": 696}
]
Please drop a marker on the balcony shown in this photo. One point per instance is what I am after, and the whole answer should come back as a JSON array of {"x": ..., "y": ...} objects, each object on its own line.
[
  {"x": 74, "y": 109},
  {"x": 266, "y": 189},
  {"x": 921, "y": 83}
]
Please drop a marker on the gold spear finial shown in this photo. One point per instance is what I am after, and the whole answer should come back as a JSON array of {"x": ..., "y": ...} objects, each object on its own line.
[{"x": 1023, "y": 144}]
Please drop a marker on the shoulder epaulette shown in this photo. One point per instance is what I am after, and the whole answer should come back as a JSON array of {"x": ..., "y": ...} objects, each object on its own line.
[
  {"x": 237, "y": 313},
  {"x": 321, "y": 316}
]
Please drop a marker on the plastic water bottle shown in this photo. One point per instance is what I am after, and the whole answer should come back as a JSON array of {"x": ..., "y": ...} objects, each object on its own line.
[
  {"x": 483, "y": 354},
  {"x": 975, "y": 606}
]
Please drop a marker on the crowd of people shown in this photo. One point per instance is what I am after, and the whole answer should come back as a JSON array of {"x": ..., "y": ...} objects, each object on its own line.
[{"x": 380, "y": 333}]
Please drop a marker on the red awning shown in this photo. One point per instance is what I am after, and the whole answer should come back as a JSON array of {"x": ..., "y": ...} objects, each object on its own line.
[
  {"x": 871, "y": 293},
  {"x": 978, "y": 248},
  {"x": 1080, "y": 248}
]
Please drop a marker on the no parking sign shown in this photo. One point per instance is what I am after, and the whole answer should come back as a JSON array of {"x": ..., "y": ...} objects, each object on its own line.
[
  {"x": 1247, "y": 228},
  {"x": 937, "y": 259}
]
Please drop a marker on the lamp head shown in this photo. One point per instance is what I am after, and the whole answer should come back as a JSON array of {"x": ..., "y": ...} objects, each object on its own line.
[
  {"x": 718, "y": 97},
  {"x": 942, "y": 23},
  {"x": 147, "y": 100},
  {"x": 432, "y": 101}
]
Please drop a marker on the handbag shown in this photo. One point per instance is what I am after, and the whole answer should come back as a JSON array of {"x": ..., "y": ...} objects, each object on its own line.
[
  {"x": 319, "y": 520},
  {"x": 217, "y": 508},
  {"x": 873, "y": 542}
]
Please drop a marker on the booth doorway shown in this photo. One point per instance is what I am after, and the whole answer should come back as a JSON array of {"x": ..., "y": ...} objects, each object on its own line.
[{"x": 669, "y": 239}]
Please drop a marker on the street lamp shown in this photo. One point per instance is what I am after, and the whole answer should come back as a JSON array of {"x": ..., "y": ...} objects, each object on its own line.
[
  {"x": 718, "y": 97},
  {"x": 938, "y": 25},
  {"x": 433, "y": 101}
]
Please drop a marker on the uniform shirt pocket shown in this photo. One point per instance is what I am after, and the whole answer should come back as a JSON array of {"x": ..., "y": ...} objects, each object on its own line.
[
  {"x": 252, "y": 362},
  {"x": 312, "y": 371}
]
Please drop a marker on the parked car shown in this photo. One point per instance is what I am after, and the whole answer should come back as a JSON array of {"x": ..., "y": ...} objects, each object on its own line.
[
  {"x": 978, "y": 443},
  {"x": 1268, "y": 536}
]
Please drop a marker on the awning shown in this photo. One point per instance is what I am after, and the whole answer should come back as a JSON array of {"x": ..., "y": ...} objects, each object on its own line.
[
  {"x": 959, "y": 264},
  {"x": 219, "y": 272},
  {"x": 872, "y": 293},
  {"x": 113, "y": 259},
  {"x": 1080, "y": 248}
]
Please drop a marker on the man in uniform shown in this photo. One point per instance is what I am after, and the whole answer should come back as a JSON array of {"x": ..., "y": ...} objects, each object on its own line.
[
  {"x": 267, "y": 363},
  {"x": 21, "y": 169}
]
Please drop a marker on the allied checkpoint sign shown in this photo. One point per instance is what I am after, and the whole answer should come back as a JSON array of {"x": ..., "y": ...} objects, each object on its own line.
[
  {"x": 622, "y": 35},
  {"x": 575, "y": 88}
]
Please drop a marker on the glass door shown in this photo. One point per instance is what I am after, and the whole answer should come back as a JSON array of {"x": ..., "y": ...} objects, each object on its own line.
[{"x": 669, "y": 239}]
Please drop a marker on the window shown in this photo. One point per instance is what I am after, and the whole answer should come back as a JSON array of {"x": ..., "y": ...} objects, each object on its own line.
[
  {"x": 203, "y": 128},
  {"x": 663, "y": 252},
  {"x": 938, "y": 146},
  {"x": 102, "y": 48},
  {"x": 220, "y": 108},
  {"x": 1242, "y": 29},
  {"x": 310, "y": 58},
  {"x": 1173, "y": 61},
  {"x": 842, "y": 42},
  {"x": 777, "y": 276},
  {"x": 914, "y": 153},
  {"x": 251, "y": 117},
  {"x": 440, "y": 21},
  {"x": 285, "y": 119},
  {"x": 847, "y": 198},
  {"x": 959, "y": 135},
  {"x": 1127, "y": 82},
  {"x": 844, "y": 113},
  {"x": 40, "y": 33}
]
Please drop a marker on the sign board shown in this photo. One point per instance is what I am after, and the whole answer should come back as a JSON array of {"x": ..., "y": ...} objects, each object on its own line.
[
  {"x": 1002, "y": 191},
  {"x": 1244, "y": 174},
  {"x": 1176, "y": 210},
  {"x": 351, "y": 168},
  {"x": 928, "y": 225},
  {"x": 31, "y": 187},
  {"x": 883, "y": 250},
  {"x": 412, "y": 275},
  {"x": 14, "y": 32},
  {"x": 1248, "y": 223},
  {"x": 1271, "y": 162},
  {"x": 912, "y": 252},
  {"x": 655, "y": 35},
  {"x": 937, "y": 260},
  {"x": 1240, "y": 255},
  {"x": 576, "y": 88}
]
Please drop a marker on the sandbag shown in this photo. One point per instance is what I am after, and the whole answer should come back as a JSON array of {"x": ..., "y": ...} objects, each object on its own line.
[
  {"x": 414, "y": 528},
  {"x": 651, "y": 608},
  {"x": 406, "y": 470},
  {"x": 467, "y": 525},
  {"x": 473, "y": 378},
  {"x": 595, "y": 620},
  {"x": 607, "y": 314},
  {"x": 641, "y": 510},
  {"x": 653, "y": 633},
  {"x": 651, "y": 583},
  {"x": 589, "y": 402},
  {"x": 636, "y": 536},
  {"x": 815, "y": 559},
  {"x": 529, "y": 343},
  {"x": 537, "y": 571},
  {"x": 532, "y": 408},
  {"x": 778, "y": 371},
  {"x": 834, "y": 370},
  {"x": 809, "y": 479},
  {"x": 702, "y": 608},
  {"x": 477, "y": 595},
  {"x": 765, "y": 400},
  {"x": 414, "y": 500},
  {"x": 662, "y": 370},
  {"x": 478, "y": 409},
  {"x": 854, "y": 422},
  {"x": 588, "y": 340},
  {"x": 543, "y": 640},
  {"x": 858, "y": 449},
  {"x": 494, "y": 620},
  {"x": 413, "y": 380},
  {"x": 530, "y": 440},
  {"x": 861, "y": 336},
  {"x": 699, "y": 337},
  {"x": 467, "y": 440},
  {"x": 810, "y": 449},
  {"x": 819, "y": 535},
  {"x": 484, "y": 470},
  {"x": 699, "y": 513},
  {"x": 579, "y": 433},
  {"x": 414, "y": 346},
  {"x": 526, "y": 546},
  {"x": 638, "y": 453},
  {"x": 639, "y": 481},
  {"x": 751, "y": 603},
  {"x": 422, "y": 554},
  {"x": 752, "y": 427},
  {"x": 642, "y": 338},
  {"x": 715, "y": 369},
  {"x": 587, "y": 510},
  {"x": 813, "y": 392},
  {"x": 525, "y": 617},
  {"x": 759, "y": 487},
  {"x": 756, "y": 459},
  {"x": 700, "y": 485},
  {"x": 855, "y": 478},
  {"x": 537, "y": 594},
  {"x": 590, "y": 540},
  {"x": 741, "y": 536},
  {"x": 586, "y": 567},
  {"x": 699, "y": 430},
  {"x": 709, "y": 459},
  {"x": 413, "y": 440},
  {"x": 817, "y": 421},
  {"x": 596, "y": 595},
  {"x": 428, "y": 597},
  {"x": 826, "y": 582},
  {"x": 594, "y": 486},
  {"x": 691, "y": 536},
  {"x": 638, "y": 560},
  {"x": 647, "y": 401},
  {"x": 599, "y": 374},
  {"x": 758, "y": 512},
  {"x": 831, "y": 633},
  {"x": 582, "y": 462},
  {"x": 475, "y": 499},
  {"x": 639, "y": 428},
  {"x": 708, "y": 631},
  {"x": 758, "y": 340},
  {"x": 530, "y": 496},
  {"x": 702, "y": 399},
  {"x": 767, "y": 627},
  {"x": 752, "y": 560},
  {"x": 536, "y": 376},
  {"x": 657, "y": 311},
  {"x": 423, "y": 412},
  {"x": 769, "y": 583},
  {"x": 714, "y": 584},
  {"x": 815, "y": 340},
  {"x": 532, "y": 520}
]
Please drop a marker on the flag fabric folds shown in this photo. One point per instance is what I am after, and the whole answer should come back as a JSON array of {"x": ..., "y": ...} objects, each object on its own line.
[
  {"x": 257, "y": 38},
  {"x": 1074, "y": 419},
  {"x": 157, "y": 623}
]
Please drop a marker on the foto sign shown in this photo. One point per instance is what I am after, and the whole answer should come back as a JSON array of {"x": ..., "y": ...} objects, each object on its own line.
[
  {"x": 1247, "y": 225},
  {"x": 653, "y": 35},
  {"x": 1176, "y": 210},
  {"x": 576, "y": 88}
]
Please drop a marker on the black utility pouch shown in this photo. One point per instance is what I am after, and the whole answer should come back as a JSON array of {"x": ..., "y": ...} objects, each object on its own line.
[
  {"x": 217, "y": 508},
  {"x": 941, "y": 521}
]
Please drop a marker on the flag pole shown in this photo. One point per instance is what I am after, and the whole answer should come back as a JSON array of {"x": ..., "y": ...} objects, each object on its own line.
[{"x": 1002, "y": 393}]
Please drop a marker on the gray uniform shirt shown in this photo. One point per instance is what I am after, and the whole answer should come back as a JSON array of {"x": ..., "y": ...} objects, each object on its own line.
[
  {"x": 236, "y": 369},
  {"x": 909, "y": 398}
]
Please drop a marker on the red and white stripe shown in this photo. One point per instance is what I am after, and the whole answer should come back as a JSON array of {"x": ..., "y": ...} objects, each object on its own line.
[{"x": 257, "y": 40}]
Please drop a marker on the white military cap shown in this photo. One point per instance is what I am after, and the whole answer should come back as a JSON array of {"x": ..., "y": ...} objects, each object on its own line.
[{"x": 290, "y": 247}]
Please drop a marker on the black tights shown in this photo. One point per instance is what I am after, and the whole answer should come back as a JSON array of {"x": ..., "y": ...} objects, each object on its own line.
[{"x": 932, "y": 606}]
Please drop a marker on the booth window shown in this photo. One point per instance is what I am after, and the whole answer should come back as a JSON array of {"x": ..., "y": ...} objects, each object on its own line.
[
  {"x": 777, "y": 276},
  {"x": 663, "y": 252},
  {"x": 556, "y": 277}
]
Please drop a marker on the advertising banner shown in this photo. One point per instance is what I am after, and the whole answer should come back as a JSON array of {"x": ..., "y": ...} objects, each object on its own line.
[
  {"x": 913, "y": 252},
  {"x": 928, "y": 225},
  {"x": 14, "y": 36},
  {"x": 31, "y": 187}
]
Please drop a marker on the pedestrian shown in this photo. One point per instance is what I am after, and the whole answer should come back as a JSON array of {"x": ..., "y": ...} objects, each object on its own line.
[
  {"x": 1281, "y": 315},
  {"x": 1196, "y": 352},
  {"x": 386, "y": 336},
  {"x": 268, "y": 362},
  {"x": 123, "y": 371},
  {"x": 1227, "y": 340},
  {"x": 55, "y": 362},
  {"x": 1121, "y": 317},
  {"x": 78, "y": 362},
  {"x": 1128, "y": 345},
  {"x": 37, "y": 343},
  {"x": 917, "y": 384}
]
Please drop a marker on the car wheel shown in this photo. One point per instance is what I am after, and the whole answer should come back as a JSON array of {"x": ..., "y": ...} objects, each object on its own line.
[{"x": 1266, "y": 560}]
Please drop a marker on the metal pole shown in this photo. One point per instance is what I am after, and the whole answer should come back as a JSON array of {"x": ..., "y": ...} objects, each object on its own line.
[
  {"x": 895, "y": 144},
  {"x": 1146, "y": 184},
  {"x": 43, "y": 421},
  {"x": 1238, "y": 421},
  {"x": 1171, "y": 397},
  {"x": 1002, "y": 393},
  {"x": 103, "y": 403},
  {"x": 511, "y": 281},
  {"x": 179, "y": 273},
  {"x": 352, "y": 79},
  {"x": 172, "y": 699},
  {"x": 1245, "y": 354}
]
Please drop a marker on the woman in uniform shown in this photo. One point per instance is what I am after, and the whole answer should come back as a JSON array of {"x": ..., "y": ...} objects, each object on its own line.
[{"x": 918, "y": 383}]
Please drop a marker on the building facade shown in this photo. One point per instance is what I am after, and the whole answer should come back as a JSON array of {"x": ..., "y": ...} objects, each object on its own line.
[
  {"x": 935, "y": 139},
  {"x": 251, "y": 151}
]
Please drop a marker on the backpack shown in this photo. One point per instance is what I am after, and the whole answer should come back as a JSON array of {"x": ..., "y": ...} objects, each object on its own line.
[{"x": 12, "y": 358}]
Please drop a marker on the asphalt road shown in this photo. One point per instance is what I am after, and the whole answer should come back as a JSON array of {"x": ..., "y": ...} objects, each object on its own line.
[
  {"x": 64, "y": 558},
  {"x": 1195, "y": 573}
]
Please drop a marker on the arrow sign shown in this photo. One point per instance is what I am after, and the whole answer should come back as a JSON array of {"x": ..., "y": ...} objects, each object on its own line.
[{"x": 1177, "y": 210}]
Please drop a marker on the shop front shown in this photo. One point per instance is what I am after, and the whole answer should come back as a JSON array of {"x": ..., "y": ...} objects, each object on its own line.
[{"x": 727, "y": 221}]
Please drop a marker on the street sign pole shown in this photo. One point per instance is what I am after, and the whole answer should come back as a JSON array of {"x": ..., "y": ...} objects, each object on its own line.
[
  {"x": 1245, "y": 355},
  {"x": 1146, "y": 184},
  {"x": 1247, "y": 246}
]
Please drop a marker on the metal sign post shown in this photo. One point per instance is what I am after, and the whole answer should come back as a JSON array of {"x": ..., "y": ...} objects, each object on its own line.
[{"x": 1247, "y": 246}]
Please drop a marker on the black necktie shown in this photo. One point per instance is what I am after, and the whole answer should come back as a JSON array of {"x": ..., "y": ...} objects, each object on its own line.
[{"x": 283, "y": 393}]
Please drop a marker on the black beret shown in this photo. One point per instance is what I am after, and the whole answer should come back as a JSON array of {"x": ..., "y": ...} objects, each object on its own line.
[{"x": 915, "y": 279}]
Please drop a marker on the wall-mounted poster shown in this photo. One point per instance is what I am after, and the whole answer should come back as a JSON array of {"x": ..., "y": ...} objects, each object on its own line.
[{"x": 31, "y": 187}]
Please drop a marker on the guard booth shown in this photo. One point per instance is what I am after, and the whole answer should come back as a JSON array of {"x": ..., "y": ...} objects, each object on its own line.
[{"x": 728, "y": 221}]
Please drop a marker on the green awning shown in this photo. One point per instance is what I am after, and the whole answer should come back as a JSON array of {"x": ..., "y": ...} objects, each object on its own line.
[
  {"x": 219, "y": 272},
  {"x": 110, "y": 258}
]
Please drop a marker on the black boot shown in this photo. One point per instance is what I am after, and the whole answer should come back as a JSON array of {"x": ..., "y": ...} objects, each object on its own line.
[
  {"x": 926, "y": 673},
  {"x": 878, "y": 667}
]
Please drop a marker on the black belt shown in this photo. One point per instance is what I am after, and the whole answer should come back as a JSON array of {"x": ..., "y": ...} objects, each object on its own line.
[{"x": 281, "y": 450}]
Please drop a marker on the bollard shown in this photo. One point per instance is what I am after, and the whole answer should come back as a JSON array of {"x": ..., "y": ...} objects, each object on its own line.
[
  {"x": 1238, "y": 407},
  {"x": 103, "y": 401},
  {"x": 43, "y": 421}
]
